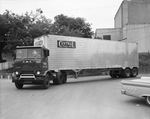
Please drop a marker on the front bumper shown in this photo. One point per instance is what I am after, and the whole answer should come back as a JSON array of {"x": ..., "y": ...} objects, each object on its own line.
[
  {"x": 28, "y": 79},
  {"x": 123, "y": 91}
]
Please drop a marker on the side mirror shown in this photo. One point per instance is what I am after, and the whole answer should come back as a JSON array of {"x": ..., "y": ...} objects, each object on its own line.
[{"x": 46, "y": 53}]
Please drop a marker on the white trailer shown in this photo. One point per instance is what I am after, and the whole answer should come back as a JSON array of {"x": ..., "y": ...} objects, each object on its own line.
[{"x": 74, "y": 53}]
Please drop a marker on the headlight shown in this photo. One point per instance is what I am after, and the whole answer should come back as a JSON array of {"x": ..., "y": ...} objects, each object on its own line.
[
  {"x": 16, "y": 72},
  {"x": 38, "y": 72}
]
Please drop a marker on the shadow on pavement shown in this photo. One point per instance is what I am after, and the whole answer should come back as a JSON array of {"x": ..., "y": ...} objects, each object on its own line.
[
  {"x": 91, "y": 79},
  {"x": 35, "y": 87},
  {"x": 137, "y": 102}
]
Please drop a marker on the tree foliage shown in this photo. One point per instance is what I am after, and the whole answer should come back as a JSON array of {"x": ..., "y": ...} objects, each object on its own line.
[
  {"x": 69, "y": 26},
  {"x": 144, "y": 59},
  {"x": 18, "y": 30},
  {"x": 21, "y": 29}
]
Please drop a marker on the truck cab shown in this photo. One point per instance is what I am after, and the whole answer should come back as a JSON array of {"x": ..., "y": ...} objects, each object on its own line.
[{"x": 30, "y": 65}]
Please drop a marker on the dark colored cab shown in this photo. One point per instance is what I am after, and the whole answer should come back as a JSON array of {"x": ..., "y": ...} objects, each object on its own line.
[{"x": 30, "y": 65}]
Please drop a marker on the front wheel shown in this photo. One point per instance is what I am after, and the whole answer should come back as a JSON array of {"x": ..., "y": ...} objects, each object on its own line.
[
  {"x": 46, "y": 82},
  {"x": 147, "y": 99},
  {"x": 18, "y": 86}
]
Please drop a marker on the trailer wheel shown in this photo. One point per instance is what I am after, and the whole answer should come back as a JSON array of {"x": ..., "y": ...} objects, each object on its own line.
[
  {"x": 59, "y": 78},
  {"x": 46, "y": 82},
  {"x": 18, "y": 86},
  {"x": 134, "y": 72},
  {"x": 126, "y": 73},
  {"x": 147, "y": 99}
]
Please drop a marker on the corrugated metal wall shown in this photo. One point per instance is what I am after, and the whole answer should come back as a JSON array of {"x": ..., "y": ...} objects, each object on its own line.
[{"x": 90, "y": 53}]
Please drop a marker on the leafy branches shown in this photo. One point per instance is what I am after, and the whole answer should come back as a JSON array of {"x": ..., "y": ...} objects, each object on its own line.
[
  {"x": 65, "y": 25},
  {"x": 22, "y": 29}
]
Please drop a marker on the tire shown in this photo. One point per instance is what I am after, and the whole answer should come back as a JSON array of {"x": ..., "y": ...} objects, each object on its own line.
[
  {"x": 147, "y": 99},
  {"x": 64, "y": 77},
  {"x": 59, "y": 78},
  {"x": 46, "y": 82},
  {"x": 126, "y": 73},
  {"x": 112, "y": 74},
  {"x": 18, "y": 86},
  {"x": 134, "y": 72}
]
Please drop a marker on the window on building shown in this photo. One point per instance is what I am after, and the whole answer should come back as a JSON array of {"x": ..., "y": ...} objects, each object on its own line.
[
  {"x": 98, "y": 37},
  {"x": 107, "y": 37}
]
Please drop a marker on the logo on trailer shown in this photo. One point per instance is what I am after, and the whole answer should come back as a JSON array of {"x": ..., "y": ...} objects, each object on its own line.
[{"x": 66, "y": 44}]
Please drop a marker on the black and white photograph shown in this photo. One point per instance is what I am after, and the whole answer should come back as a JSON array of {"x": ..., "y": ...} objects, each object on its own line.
[{"x": 74, "y": 59}]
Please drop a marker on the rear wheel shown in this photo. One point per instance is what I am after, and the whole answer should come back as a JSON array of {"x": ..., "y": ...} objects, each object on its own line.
[
  {"x": 112, "y": 74},
  {"x": 134, "y": 72},
  {"x": 59, "y": 78},
  {"x": 126, "y": 73},
  {"x": 18, "y": 86},
  {"x": 46, "y": 82},
  {"x": 64, "y": 77},
  {"x": 147, "y": 99}
]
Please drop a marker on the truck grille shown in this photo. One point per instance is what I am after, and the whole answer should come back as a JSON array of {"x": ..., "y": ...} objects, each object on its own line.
[{"x": 27, "y": 76}]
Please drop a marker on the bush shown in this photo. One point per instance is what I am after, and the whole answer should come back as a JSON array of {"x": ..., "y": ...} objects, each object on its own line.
[
  {"x": 144, "y": 63},
  {"x": 144, "y": 59}
]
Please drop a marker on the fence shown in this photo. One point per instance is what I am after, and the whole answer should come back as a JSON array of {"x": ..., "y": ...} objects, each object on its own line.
[
  {"x": 6, "y": 65},
  {"x": 3, "y": 66},
  {"x": 5, "y": 75}
]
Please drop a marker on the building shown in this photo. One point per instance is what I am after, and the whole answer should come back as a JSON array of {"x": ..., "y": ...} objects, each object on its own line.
[
  {"x": 108, "y": 33},
  {"x": 131, "y": 24}
]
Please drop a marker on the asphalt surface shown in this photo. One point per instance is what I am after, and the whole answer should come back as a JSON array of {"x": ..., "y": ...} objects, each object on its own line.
[{"x": 96, "y": 97}]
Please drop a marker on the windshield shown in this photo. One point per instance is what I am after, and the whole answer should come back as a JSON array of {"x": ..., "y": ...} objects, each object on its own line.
[{"x": 28, "y": 53}]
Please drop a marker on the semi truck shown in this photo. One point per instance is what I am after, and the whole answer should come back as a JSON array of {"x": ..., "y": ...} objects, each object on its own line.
[{"x": 52, "y": 56}]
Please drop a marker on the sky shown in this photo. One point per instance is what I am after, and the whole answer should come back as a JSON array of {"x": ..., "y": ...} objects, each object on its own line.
[{"x": 99, "y": 13}]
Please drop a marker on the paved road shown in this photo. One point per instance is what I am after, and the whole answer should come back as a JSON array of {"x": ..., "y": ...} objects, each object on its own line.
[{"x": 96, "y": 97}]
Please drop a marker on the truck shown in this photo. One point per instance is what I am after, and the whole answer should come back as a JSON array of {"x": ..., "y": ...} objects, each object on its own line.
[
  {"x": 139, "y": 88},
  {"x": 52, "y": 56}
]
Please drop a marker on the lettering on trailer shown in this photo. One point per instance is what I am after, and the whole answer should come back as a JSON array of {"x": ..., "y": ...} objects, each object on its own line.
[{"x": 66, "y": 44}]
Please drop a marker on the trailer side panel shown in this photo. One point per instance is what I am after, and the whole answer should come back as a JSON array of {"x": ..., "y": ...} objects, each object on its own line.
[{"x": 84, "y": 53}]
